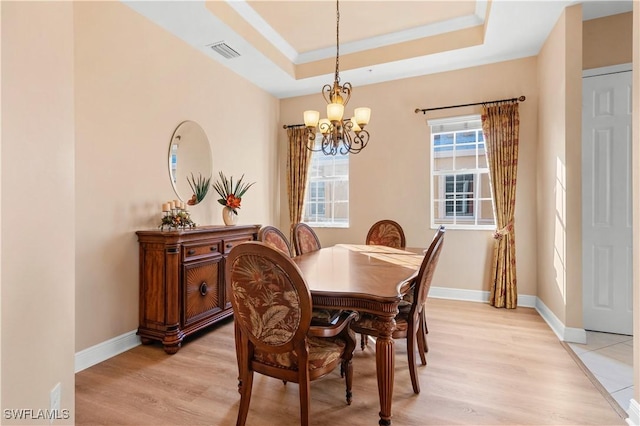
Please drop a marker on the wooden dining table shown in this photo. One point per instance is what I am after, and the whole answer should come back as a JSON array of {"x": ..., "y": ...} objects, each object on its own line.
[{"x": 369, "y": 279}]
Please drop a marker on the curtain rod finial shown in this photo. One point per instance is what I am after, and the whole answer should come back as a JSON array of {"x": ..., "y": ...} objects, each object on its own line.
[
  {"x": 417, "y": 110},
  {"x": 522, "y": 98}
]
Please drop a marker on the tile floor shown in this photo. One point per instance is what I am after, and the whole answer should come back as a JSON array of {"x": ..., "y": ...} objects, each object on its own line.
[{"x": 610, "y": 358}]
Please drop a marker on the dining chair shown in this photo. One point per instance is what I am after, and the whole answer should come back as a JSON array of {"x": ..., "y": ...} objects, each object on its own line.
[
  {"x": 411, "y": 321},
  {"x": 275, "y": 238},
  {"x": 274, "y": 335},
  {"x": 305, "y": 239},
  {"x": 386, "y": 233}
]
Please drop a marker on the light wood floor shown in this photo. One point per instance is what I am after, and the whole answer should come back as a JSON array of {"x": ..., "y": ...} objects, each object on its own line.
[{"x": 486, "y": 366}]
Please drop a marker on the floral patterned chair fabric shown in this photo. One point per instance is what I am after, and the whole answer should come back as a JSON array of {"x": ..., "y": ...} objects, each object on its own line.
[
  {"x": 275, "y": 238},
  {"x": 274, "y": 335},
  {"x": 386, "y": 233},
  {"x": 411, "y": 323},
  {"x": 305, "y": 239}
]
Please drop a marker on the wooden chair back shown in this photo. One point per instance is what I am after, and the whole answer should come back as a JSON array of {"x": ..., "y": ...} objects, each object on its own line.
[
  {"x": 425, "y": 273},
  {"x": 275, "y": 238},
  {"x": 411, "y": 319},
  {"x": 272, "y": 314},
  {"x": 386, "y": 233},
  {"x": 305, "y": 239}
]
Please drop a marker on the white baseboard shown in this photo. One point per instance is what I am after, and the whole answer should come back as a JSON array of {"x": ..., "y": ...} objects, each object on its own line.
[
  {"x": 565, "y": 334},
  {"x": 459, "y": 294},
  {"x": 524, "y": 300},
  {"x": 634, "y": 413},
  {"x": 105, "y": 350}
]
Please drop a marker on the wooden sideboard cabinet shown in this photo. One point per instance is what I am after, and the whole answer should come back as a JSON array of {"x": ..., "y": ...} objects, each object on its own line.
[{"x": 182, "y": 288}]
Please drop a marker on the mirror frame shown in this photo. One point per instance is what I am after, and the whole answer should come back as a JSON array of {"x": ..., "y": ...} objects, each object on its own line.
[{"x": 196, "y": 149}]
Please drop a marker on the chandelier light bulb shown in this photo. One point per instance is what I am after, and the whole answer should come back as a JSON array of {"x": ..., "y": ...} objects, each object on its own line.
[
  {"x": 311, "y": 118},
  {"x": 362, "y": 116},
  {"x": 335, "y": 111},
  {"x": 354, "y": 124}
]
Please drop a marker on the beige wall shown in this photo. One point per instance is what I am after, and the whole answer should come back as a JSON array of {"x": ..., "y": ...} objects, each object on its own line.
[
  {"x": 612, "y": 48},
  {"x": 135, "y": 83},
  {"x": 38, "y": 232},
  {"x": 390, "y": 177},
  {"x": 559, "y": 172}
]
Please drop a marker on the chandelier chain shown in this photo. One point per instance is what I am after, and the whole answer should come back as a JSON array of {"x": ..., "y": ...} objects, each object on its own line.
[{"x": 337, "y": 76}]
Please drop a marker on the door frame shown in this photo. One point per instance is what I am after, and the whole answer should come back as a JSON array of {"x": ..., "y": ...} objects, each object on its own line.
[{"x": 612, "y": 69}]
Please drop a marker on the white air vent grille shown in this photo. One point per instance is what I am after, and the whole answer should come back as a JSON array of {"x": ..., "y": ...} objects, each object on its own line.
[{"x": 224, "y": 49}]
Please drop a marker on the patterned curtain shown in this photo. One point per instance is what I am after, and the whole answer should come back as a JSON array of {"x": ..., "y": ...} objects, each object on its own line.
[
  {"x": 500, "y": 125},
  {"x": 298, "y": 161}
]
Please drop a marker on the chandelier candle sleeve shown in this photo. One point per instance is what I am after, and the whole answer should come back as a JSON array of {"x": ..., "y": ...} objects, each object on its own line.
[
  {"x": 362, "y": 116},
  {"x": 355, "y": 127},
  {"x": 311, "y": 118},
  {"x": 335, "y": 112}
]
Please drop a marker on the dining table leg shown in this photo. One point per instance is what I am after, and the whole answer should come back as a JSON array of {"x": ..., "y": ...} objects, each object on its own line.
[{"x": 385, "y": 359}]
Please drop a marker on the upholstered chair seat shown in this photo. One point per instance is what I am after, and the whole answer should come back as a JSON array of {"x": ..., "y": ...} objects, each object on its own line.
[{"x": 324, "y": 353}]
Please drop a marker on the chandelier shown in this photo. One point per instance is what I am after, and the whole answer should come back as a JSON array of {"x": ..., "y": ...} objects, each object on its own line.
[{"x": 338, "y": 134}]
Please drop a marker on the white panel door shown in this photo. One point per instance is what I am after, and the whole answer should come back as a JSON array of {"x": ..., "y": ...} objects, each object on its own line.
[{"x": 606, "y": 203}]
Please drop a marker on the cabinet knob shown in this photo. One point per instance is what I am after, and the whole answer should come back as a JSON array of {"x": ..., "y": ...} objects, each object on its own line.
[
  {"x": 203, "y": 288},
  {"x": 213, "y": 248},
  {"x": 191, "y": 251},
  {"x": 229, "y": 245}
]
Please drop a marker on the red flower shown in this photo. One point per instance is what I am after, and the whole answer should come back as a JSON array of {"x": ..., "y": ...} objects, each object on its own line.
[{"x": 233, "y": 201}]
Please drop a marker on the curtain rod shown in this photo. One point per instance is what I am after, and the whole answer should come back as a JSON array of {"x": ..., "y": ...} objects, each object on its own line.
[
  {"x": 290, "y": 126},
  {"x": 424, "y": 111}
]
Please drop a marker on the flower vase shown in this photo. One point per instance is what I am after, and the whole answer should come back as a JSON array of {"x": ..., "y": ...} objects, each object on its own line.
[{"x": 228, "y": 216}]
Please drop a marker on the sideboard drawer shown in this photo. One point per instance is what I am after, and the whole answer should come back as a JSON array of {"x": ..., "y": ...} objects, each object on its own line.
[
  {"x": 196, "y": 251},
  {"x": 229, "y": 244}
]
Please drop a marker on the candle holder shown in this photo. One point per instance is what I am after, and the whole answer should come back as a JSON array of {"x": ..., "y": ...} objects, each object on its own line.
[{"x": 176, "y": 218}]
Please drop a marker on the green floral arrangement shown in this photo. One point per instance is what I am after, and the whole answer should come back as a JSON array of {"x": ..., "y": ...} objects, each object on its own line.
[
  {"x": 178, "y": 219},
  {"x": 200, "y": 187},
  {"x": 230, "y": 194}
]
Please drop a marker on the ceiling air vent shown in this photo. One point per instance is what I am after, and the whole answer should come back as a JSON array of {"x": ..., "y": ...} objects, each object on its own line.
[{"x": 224, "y": 49}]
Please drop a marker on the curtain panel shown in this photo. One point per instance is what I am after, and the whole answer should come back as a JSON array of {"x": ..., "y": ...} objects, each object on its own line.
[
  {"x": 298, "y": 161},
  {"x": 500, "y": 125}
]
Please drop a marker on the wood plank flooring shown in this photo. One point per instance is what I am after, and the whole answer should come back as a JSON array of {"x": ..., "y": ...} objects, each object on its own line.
[{"x": 486, "y": 366}]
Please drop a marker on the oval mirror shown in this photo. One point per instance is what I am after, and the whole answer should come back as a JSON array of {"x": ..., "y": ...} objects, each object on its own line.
[{"x": 190, "y": 162}]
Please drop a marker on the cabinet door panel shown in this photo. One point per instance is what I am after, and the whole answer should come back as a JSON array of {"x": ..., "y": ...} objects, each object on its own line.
[{"x": 202, "y": 296}]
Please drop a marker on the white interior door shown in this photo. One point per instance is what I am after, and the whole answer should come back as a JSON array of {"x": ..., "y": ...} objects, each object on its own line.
[{"x": 606, "y": 203}]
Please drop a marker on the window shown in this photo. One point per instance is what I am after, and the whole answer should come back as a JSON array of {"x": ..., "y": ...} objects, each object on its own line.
[
  {"x": 326, "y": 201},
  {"x": 460, "y": 185}
]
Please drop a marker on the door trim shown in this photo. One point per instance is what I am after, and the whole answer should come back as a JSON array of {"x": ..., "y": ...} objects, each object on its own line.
[{"x": 607, "y": 70}]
